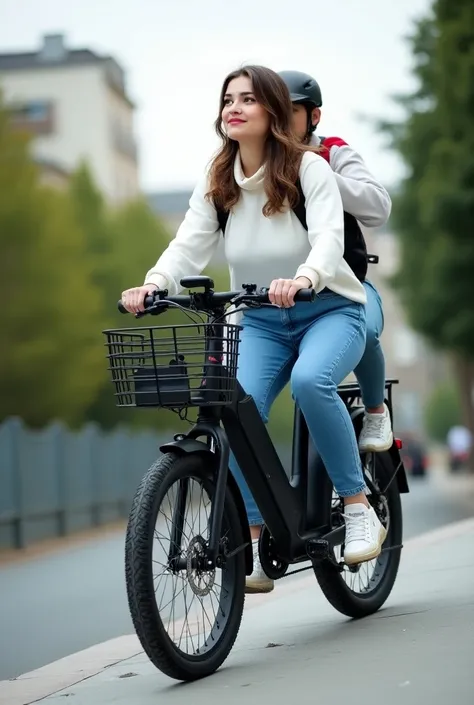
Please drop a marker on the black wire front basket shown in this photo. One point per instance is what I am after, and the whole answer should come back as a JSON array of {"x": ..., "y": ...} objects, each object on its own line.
[{"x": 174, "y": 367}]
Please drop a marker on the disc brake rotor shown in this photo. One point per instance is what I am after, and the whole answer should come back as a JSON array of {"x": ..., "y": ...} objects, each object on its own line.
[{"x": 201, "y": 580}]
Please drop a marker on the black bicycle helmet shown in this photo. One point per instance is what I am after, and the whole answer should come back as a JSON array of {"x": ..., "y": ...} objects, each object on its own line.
[{"x": 303, "y": 88}]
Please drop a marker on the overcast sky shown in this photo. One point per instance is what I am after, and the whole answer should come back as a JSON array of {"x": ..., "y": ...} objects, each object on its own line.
[{"x": 177, "y": 52}]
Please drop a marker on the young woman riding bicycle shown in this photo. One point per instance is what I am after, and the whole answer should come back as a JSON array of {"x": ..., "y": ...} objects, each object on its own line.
[{"x": 315, "y": 346}]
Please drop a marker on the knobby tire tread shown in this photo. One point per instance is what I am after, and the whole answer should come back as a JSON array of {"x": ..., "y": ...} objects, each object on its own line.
[{"x": 150, "y": 631}]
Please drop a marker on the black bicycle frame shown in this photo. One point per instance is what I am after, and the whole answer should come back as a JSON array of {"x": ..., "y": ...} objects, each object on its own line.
[{"x": 295, "y": 509}]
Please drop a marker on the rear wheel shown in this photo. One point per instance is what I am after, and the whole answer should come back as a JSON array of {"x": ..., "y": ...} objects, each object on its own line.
[
  {"x": 186, "y": 616},
  {"x": 362, "y": 589}
]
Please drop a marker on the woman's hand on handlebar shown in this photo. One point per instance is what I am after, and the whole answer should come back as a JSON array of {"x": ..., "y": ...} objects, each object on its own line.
[
  {"x": 134, "y": 299},
  {"x": 282, "y": 291}
]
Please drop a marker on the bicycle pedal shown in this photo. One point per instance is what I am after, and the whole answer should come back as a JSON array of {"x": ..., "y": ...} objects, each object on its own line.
[{"x": 318, "y": 549}]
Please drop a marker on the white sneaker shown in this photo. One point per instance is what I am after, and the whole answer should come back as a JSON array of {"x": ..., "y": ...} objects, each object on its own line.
[
  {"x": 376, "y": 434},
  {"x": 365, "y": 534},
  {"x": 258, "y": 581}
]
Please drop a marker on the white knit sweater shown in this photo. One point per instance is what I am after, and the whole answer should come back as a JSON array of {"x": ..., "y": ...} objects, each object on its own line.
[{"x": 259, "y": 249}]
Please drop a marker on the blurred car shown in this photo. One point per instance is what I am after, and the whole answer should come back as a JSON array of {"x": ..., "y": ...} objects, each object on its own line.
[
  {"x": 414, "y": 456},
  {"x": 458, "y": 461}
]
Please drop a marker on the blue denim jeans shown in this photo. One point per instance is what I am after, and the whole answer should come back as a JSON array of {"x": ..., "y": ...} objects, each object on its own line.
[
  {"x": 370, "y": 372},
  {"x": 315, "y": 346}
]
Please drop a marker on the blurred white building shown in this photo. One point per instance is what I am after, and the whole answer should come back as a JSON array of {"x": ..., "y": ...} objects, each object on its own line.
[{"x": 75, "y": 104}]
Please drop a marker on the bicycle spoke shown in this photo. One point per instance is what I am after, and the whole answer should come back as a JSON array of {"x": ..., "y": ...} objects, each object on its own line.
[{"x": 190, "y": 600}]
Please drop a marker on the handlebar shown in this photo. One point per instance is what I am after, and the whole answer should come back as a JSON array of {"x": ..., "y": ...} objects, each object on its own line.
[{"x": 213, "y": 300}]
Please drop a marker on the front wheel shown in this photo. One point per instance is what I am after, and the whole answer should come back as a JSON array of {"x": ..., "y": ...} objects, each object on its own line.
[
  {"x": 186, "y": 616},
  {"x": 360, "y": 590}
]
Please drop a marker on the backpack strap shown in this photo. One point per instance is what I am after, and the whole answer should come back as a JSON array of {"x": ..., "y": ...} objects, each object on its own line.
[
  {"x": 300, "y": 209},
  {"x": 222, "y": 218}
]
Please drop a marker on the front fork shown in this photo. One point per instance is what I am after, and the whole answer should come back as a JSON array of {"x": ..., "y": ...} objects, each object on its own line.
[{"x": 219, "y": 446}]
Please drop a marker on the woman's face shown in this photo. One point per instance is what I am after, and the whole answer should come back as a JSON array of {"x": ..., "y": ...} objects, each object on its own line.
[{"x": 243, "y": 117}]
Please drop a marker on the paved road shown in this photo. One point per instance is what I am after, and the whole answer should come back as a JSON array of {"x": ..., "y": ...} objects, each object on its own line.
[
  {"x": 417, "y": 649},
  {"x": 58, "y": 604}
]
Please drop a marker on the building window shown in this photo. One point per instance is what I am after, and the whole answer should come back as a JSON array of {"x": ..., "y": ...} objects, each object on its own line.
[
  {"x": 123, "y": 140},
  {"x": 35, "y": 116},
  {"x": 36, "y": 111}
]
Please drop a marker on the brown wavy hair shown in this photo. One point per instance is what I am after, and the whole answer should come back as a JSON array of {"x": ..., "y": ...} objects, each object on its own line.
[{"x": 283, "y": 150}]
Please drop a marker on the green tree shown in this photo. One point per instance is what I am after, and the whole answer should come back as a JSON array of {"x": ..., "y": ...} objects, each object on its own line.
[
  {"x": 434, "y": 206},
  {"x": 125, "y": 242},
  {"x": 140, "y": 238},
  {"x": 91, "y": 217},
  {"x": 50, "y": 366}
]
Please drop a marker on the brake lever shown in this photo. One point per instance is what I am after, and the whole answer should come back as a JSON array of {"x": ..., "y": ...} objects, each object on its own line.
[
  {"x": 257, "y": 304},
  {"x": 240, "y": 299},
  {"x": 155, "y": 310},
  {"x": 250, "y": 303}
]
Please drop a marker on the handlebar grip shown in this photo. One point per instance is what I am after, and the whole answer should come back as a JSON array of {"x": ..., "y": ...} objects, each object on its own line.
[
  {"x": 149, "y": 301},
  {"x": 305, "y": 295}
]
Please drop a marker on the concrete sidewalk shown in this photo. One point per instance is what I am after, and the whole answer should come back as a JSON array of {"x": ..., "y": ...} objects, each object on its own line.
[{"x": 418, "y": 648}]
